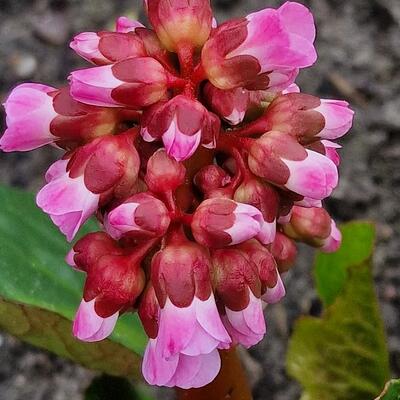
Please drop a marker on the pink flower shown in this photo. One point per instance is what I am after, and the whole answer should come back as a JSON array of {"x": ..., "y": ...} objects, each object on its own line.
[
  {"x": 253, "y": 51},
  {"x": 281, "y": 160},
  {"x": 238, "y": 287},
  {"x": 246, "y": 327},
  {"x": 67, "y": 200},
  {"x": 114, "y": 282},
  {"x": 221, "y": 222},
  {"x": 89, "y": 326},
  {"x": 193, "y": 17},
  {"x": 140, "y": 216},
  {"x": 30, "y": 111},
  {"x": 189, "y": 322},
  {"x": 333, "y": 242},
  {"x": 125, "y": 25},
  {"x": 183, "y": 124},
  {"x": 107, "y": 47},
  {"x": 134, "y": 82},
  {"x": 182, "y": 371},
  {"x": 331, "y": 151},
  {"x": 307, "y": 117}
]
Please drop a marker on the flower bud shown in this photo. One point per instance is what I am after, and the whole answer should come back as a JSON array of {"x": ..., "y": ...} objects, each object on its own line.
[
  {"x": 221, "y": 222},
  {"x": 38, "y": 115},
  {"x": 180, "y": 22},
  {"x": 140, "y": 216},
  {"x": 189, "y": 322},
  {"x": 114, "y": 282},
  {"x": 107, "y": 47},
  {"x": 125, "y": 25},
  {"x": 75, "y": 187},
  {"x": 284, "y": 251},
  {"x": 133, "y": 82},
  {"x": 148, "y": 311},
  {"x": 315, "y": 227},
  {"x": 264, "y": 198},
  {"x": 211, "y": 178},
  {"x": 245, "y": 52},
  {"x": 231, "y": 105},
  {"x": 183, "y": 124},
  {"x": 281, "y": 160},
  {"x": 239, "y": 288},
  {"x": 308, "y": 118},
  {"x": 164, "y": 173}
]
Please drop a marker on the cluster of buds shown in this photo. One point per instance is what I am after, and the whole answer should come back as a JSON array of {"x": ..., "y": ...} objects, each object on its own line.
[{"x": 204, "y": 164}]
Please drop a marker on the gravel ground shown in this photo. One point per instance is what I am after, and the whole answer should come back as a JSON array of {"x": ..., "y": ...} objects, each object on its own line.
[{"x": 358, "y": 43}]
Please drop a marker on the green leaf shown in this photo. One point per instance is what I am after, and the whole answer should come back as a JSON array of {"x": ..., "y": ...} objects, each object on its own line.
[
  {"x": 107, "y": 387},
  {"x": 36, "y": 283},
  {"x": 331, "y": 269},
  {"x": 391, "y": 391},
  {"x": 343, "y": 355}
]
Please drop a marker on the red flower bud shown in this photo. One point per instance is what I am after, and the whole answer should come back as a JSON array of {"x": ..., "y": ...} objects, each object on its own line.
[
  {"x": 221, "y": 222},
  {"x": 149, "y": 311},
  {"x": 180, "y": 22},
  {"x": 109, "y": 165},
  {"x": 265, "y": 198},
  {"x": 183, "y": 124},
  {"x": 312, "y": 226},
  {"x": 114, "y": 277},
  {"x": 140, "y": 216},
  {"x": 108, "y": 47},
  {"x": 211, "y": 178},
  {"x": 281, "y": 160},
  {"x": 284, "y": 251},
  {"x": 164, "y": 173}
]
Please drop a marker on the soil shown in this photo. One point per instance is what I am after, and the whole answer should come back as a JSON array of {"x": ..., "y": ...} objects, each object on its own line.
[{"x": 359, "y": 56}]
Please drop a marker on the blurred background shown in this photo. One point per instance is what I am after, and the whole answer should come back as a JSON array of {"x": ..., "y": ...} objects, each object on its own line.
[{"x": 359, "y": 59}]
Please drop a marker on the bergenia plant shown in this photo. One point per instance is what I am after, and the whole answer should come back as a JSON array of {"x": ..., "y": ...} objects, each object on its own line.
[{"x": 203, "y": 162}]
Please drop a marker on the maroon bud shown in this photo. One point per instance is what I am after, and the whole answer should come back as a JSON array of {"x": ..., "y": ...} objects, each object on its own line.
[
  {"x": 211, "y": 178},
  {"x": 181, "y": 22},
  {"x": 164, "y": 173},
  {"x": 149, "y": 311},
  {"x": 114, "y": 277},
  {"x": 284, "y": 251},
  {"x": 181, "y": 271},
  {"x": 309, "y": 225},
  {"x": 234, "y": 275}
]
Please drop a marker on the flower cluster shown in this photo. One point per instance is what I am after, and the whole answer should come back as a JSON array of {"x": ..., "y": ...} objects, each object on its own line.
[{"x": 203, "y": 162}]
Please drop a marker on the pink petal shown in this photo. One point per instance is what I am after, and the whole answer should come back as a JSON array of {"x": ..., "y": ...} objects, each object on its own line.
[
  {"x": 30, "y": 112},
  {"x": 314, "y": 177},
  {"x": 125, "y": 25},
  {"x": 254, "y": 316},
  {"x": 209, "y": 318},
  {"x": 68, "y": 202},
  {"x": 248, "y": 222},
  {"x": 121, "y": 220},
  {"x": 178, "y": 145},
  {"x": 176, "y": 329},
  {"x": 196, "y": 372},
  {"x": 90, "y": 327},
  {"x": 338, "y": 118},
  {"x": 157, "y": 370},
  {"x": 94, "y": 86},
  {"x": 267, "y": 233},
  {"x": 275, "y": 294},
  {"x": 298, "y": 20},
  {"x": 86, "y": 45},
  {"x": 334, "y": 241},
  {"x": 56, "y": 170}
]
